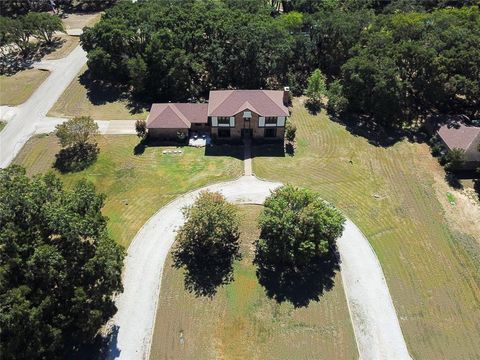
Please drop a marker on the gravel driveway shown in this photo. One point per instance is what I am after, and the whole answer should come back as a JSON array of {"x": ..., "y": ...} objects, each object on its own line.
[{"x": 374, "y": 319}]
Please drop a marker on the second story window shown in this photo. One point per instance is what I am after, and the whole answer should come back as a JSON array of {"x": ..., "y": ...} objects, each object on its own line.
[
  {"x": 270, "y": 120},
  {"x": 223, "y": 120}
]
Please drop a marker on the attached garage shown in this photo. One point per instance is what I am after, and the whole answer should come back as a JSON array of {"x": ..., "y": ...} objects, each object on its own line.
[{"x": 173, "y": 121}]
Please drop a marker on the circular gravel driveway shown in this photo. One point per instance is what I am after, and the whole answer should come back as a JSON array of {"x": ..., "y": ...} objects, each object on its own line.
[{"x": 373, "y": 315}]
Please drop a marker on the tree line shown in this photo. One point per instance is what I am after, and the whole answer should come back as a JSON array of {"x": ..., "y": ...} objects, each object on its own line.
[
  {"x": 21, "y": 7},
  {"x": 392, "y": 66},
  {"x": 19, "y": 31}
]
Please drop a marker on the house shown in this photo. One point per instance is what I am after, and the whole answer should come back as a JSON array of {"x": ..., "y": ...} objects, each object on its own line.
[
  {"x": 229, "y": 115},
  {"x": 461, "y": 136},
  {"x": 457, "y": 132}
]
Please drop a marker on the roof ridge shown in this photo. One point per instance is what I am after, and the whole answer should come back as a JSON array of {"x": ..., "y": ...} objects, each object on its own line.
[
  {"x": 271, "y": 100},
  {"x": 473, "y": 139},
  {"x": 179, "y": 114},
  {"x": 221, "y": 102},
  {"x": 246, "y": 105}
]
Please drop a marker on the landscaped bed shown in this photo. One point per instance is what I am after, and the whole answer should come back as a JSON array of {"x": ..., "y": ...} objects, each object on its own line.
[
  {"x": 240, "y": 322},
  {"x": 396, "y": 195},
  {"x": 136, "y": 186},
  {"x": 16, "y": 89}
]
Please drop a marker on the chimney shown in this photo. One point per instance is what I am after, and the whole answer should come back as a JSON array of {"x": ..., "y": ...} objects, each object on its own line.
[{"x": 286, "y": 96}]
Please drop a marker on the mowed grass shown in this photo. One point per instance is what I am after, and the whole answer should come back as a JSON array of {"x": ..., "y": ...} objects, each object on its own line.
[
  {"x": 136, "y": 186},
  {"x": 16, "y": 89},
  {"x": 80, "y": 20},
  {"x": 433, "y": 273},
  {"x": 66, "y": 46},
  {"x": 240, "y": 322},
  {"x": 100, "y": 104}
]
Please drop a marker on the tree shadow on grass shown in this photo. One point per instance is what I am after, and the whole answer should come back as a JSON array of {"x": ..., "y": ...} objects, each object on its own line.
[
  {"x": 298, "y": 286},
  {"x": 101, "y": 92},
  {"x": 205, "y": 274},
  {"x": 14, "y": 60},
  {"x": 76, "y": 157},
  {"x": 102, "y": 347}
]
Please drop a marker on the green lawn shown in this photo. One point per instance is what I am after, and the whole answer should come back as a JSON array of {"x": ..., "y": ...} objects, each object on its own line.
[
  {"x": 136, "y": 185},
  {"x": 432, "y": 270},
  {"x": 94, "y": 100},
  {"x": 16, "y": 89},
  {"x": 240, "y": 322}
]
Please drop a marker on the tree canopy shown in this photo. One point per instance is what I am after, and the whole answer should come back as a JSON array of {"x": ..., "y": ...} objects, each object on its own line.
[
  {"x": 207, "y": 244},
  {"x": 296, "y": 252},
  {"x": 391, "y": 62},
  {"x": 59, "y": 267},
  {"x": 80, "y": 149}
]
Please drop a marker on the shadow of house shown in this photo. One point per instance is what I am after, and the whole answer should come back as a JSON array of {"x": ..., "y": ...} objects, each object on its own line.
[
  {"x": 230, "y": 150},
  {"x": 276, "y": 149},
  {"x": 299, "y": 285}
]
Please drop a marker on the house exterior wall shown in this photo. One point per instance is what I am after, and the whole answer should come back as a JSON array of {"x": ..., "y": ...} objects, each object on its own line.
[
  {"x": 166, "y": 134},
  {"x": 258, "y": 131}
]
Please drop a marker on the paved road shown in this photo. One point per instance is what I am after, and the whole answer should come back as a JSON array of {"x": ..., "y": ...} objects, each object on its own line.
[
  {"x": 374, "y": 319},
  {"x": 33, "y": 111}
]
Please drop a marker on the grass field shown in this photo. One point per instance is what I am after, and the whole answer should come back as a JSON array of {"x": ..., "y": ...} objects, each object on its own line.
[
  {"x": 394, "y": 195},
  {"x": 136, "y": 185},
  {"x": 100, "y": 104},
  {"x": 16, "y": 89},
  {"x": 2, "y": 125},
  {"x": 68, "y": 43},
  {"x": 240, "y": 322},
  {"x": 79, "y": 21}
]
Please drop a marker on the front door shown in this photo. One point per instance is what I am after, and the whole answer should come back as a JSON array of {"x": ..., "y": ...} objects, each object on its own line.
[{"x": 246, "y": 133}]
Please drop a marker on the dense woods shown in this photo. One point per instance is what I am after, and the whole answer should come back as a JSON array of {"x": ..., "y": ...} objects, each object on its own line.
[
  {"x": 21, "y": 7},
  {"x": 59, "y": 267},
  {"x": 391, "y": 61}
]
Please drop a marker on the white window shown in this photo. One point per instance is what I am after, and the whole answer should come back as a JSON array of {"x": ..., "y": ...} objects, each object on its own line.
[
  {"x": 214, "y": 121},
  {"x": 224, "y": 121},
  {"x": 232, "y": 121},
  {"x": 247, "y": 114},
  {"x": 261, "y": 121},
  {"x": 281, "y": 121}
]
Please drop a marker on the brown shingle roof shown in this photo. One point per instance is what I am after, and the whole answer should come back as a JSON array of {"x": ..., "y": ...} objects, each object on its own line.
[
  {"x": 462, "y": 137},
  {"x": 176, "y": 115},
  {"x": 231, "y": 102}
]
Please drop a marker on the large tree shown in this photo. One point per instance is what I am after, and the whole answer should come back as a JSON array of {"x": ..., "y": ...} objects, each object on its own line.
[
  {"x": 59, "y": 267},
  {"x": 207, "y": 244},
  {"x": 44, "y": 25},
  {"x": 296, "y": 252},
  {"x": 78, "y": 139}
]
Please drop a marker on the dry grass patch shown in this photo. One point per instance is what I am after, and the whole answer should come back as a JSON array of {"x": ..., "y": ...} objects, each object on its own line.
[
  {"x": 136, "y": 186},
  {"x": 97, "y": 102},
  {"x": 16, "y": 89},
  {"x": 432, "y": 270},
  {"x": 240, "y": 322},
  {"x": 68, "y": 43},
  {"x": 80, "y": 20}
]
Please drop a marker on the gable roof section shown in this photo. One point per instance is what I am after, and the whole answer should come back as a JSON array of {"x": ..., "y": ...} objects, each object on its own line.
[
  {"x": 176, "y": 115},
  {"x": 231, "y": 102},
  {"x": 462, "y": 137}
]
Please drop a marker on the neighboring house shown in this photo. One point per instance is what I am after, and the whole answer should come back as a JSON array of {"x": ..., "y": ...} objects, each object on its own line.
[
  {"x": 461, "y": 136},
  {"x": 229, "y": 115}
]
